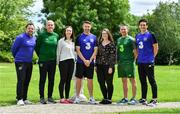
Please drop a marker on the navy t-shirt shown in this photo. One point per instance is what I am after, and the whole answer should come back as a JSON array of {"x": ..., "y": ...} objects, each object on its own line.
[
  {"x": 87, "y": 43},
  {"x": 144, "y": 44}
]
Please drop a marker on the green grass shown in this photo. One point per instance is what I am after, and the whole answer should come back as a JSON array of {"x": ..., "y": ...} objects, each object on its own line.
[{"x": 167, "y": 80}]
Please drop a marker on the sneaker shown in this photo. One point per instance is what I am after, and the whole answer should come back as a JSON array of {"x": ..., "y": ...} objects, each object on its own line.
[
  {"x": 92, "y": 101},
  {"x": 123, "y": 101},
  {"x": 77, "y": 100},
  {"x": 82, "y": 98},
  {"x": 64, "y": 101},
  {"x": 69, "y": 100},
  {"x": 51, "y": 101},
  {"x": 132, "y": 101},
  {"x": 143, "y": 101},
  {"x": 20, "y": 102},
  {"x": 43, "y": 101},
  {"x": 108, "y": 101},
  {"x": 152, "y": 103},
  {"x": 103, "y": 101},
  {"x": 73, "y": 98},
  {"x": 27, "y": 102}
]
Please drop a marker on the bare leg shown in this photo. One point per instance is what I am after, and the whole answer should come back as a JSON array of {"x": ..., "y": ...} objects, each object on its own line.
[
  {"x": 125, "y": 87},
  {"x": 134, "y": 88},
  {"x": 90, "y": 87},
  {"x": 78, "y": 86}
]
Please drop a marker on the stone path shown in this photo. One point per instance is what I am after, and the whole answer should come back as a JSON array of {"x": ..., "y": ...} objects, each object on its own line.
[{"x": 78, "y": 108}]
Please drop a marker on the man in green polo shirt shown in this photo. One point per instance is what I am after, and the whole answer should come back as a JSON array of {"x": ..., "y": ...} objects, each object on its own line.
[
  {"x": 46, "y": 45},
  {"x": 126, "y": 55}
]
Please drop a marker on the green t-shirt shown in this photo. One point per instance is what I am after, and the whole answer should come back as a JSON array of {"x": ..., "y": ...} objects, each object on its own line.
[
  {"x": 46, "y": 45},
  {"x": 125, "y": 46}
]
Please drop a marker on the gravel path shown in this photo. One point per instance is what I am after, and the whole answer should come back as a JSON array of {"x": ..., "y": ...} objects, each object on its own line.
[{"x": 78, "y": 108}]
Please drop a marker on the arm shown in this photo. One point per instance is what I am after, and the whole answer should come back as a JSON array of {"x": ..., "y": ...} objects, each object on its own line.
[
  {"x": 112, "y": 58},
  {"x": 16, "y": 45},
  {"x": 155, "y": 45},
  {"x": 38, "y": 44},
  {"x": 135, "y": 53},
  {"x": 86, "y": 62},
  {"x": 58, "y": 51},
  {"x": 155, "y": 49},
  {"x": 93, "y": 57}
]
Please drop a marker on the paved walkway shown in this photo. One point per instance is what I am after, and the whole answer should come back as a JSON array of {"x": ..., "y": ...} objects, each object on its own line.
[{"x": 78, "y": 108}]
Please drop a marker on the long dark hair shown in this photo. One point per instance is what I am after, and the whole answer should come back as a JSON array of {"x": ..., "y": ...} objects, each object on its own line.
[
  {"x": 110, "y": 38},
  {"x": 72, "y": 36}
]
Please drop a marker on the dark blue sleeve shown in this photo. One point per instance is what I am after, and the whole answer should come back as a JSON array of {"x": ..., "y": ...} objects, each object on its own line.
[
  {"x": 77, "y": 41},
  {"x": 16, "y": 45},
  {"x": 136, "y": 41},
  {"x": 154, "y": 41}
]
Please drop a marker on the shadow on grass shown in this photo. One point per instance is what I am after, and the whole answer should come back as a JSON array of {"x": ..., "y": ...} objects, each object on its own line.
[{"x": 8, "y": 103}]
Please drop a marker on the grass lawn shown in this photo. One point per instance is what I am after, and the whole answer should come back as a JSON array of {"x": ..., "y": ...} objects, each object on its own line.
[{"x": 167, "y": 80}]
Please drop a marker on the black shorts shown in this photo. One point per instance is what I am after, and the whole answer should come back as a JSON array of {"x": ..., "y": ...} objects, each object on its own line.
[{"x": 83, "y": 71}]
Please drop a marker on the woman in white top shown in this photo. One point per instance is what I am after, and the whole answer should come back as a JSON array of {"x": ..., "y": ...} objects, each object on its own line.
[{"x": 65, "y": 61}]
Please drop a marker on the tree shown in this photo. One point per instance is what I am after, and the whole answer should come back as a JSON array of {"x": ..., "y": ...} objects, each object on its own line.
[
  {"x": 13, "y": 17},
  {"x": 102, "y": 13},
  {"x": 165, "y": 23},
  {"x": 12, "y": 20}
]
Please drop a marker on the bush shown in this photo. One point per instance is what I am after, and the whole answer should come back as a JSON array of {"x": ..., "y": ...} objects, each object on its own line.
[{"x": 6, "y": 56}]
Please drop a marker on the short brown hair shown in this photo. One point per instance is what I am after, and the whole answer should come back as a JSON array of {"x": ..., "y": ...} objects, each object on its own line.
[
  {"x": 143, "y": 20},
  {"x": 30, "y": 23},
  {"x": 87, "y": 22}
]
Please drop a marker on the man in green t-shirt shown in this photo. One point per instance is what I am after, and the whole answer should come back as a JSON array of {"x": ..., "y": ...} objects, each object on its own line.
[
  {"x": 126, "y": 55},
  {"x": 46, "y": 45}
]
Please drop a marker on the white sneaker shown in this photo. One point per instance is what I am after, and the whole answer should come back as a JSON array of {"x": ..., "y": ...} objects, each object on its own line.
[
  {"x": 92, "y": 100},
  {"x": 77, "y": 100},
  {"x": 20, "y": 102},
  {"x": 27, "y": 102},
  {"x": 82, "y": 98}
]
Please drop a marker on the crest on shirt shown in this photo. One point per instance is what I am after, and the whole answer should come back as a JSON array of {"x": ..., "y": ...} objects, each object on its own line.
[
  {"x": 84, "y": 40},
  {"x": 145, "y": 38},
  {"x": 91, "y": 40}
]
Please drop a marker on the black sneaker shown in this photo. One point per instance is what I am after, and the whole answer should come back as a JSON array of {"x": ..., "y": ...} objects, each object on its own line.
[
  {"x": 152, "y": 103},
  {"x": 43, "y": 101},
  {"x": 103, "y": 101},
  {"x": 108, "y": 101},
  {"x": 51, "y": 100},
  {"x": 143, "y": 101}
]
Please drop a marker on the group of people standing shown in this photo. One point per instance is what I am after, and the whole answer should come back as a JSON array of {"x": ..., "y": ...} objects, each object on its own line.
[{"x": 80, "y": 57}]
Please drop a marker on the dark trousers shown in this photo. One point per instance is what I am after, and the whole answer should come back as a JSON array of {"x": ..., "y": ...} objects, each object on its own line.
[
  {"x": 105, "y": 81},
  {"x": 48, "y": 67},
  {"x": 147, "y": 70},
  {"x": 66, "y": 69},
  {"x": 23, "y": 71}
]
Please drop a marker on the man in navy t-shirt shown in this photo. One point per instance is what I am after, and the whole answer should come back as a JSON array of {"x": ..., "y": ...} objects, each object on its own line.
[
  {"x": 86, "y": 48},
  {"x": 147, "y": 48}
]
